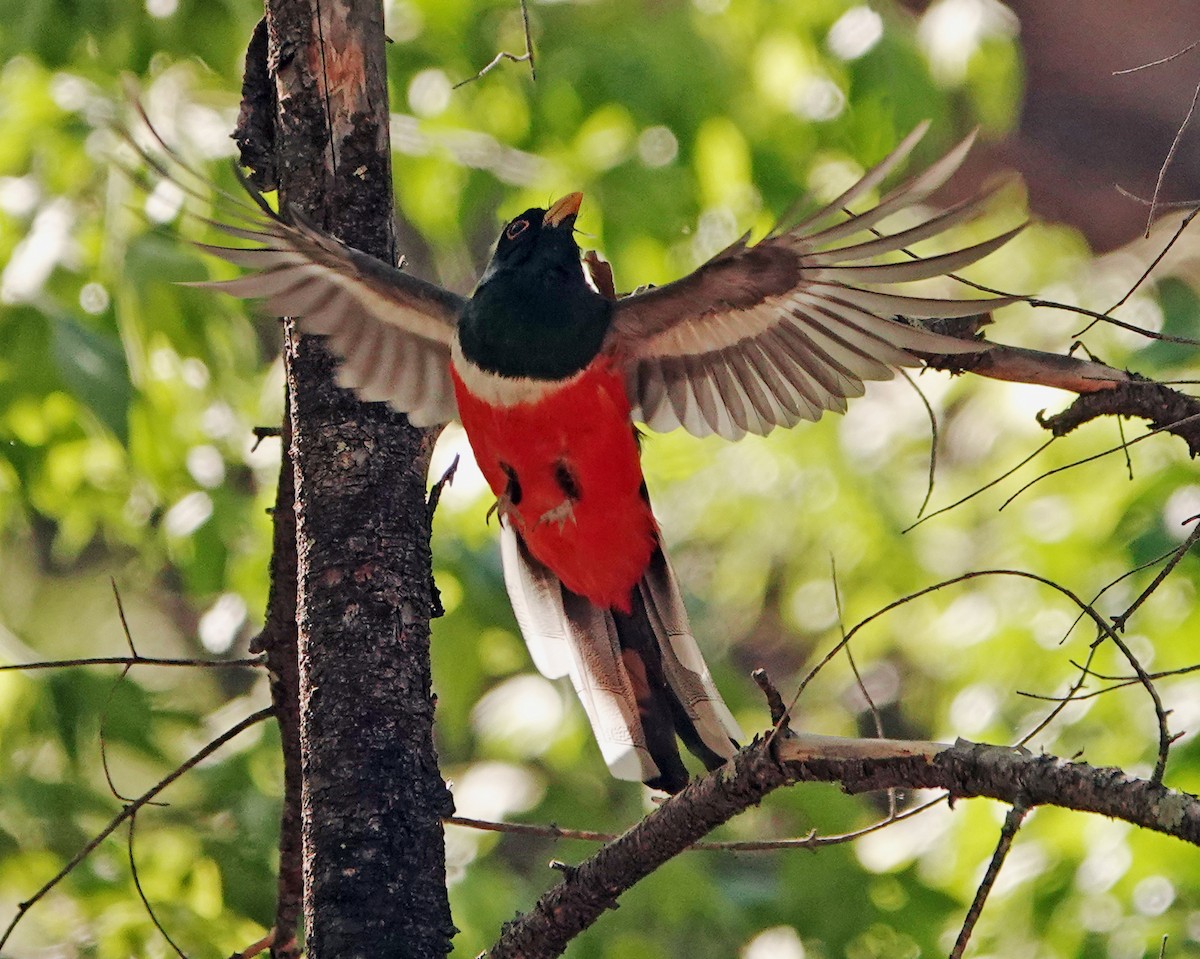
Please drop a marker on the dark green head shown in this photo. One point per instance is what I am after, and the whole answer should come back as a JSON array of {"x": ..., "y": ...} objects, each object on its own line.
[{"x": 533, "y": 314}]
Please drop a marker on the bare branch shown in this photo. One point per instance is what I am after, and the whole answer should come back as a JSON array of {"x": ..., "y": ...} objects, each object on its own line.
[
  {"x": 128, "y": 811},
  {"x": 135, "y": 661},
  {"x": 137, "y": 884},
  {"x": 1166, "y": 164},
  {"x": 1184, "y": 548},
  {"x": 1157, "y": 63},
  {"x": 526, "y": 57},
  {"x": 1012, "y": 822},
  {"x": 1166, "y": 409},
  {"x": 933, "y": 440},
  {"x": 1016, "y": 364},
  {"x": 964, "y": 770}
]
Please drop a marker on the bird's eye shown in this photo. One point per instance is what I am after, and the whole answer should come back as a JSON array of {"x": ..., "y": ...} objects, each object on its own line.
[{"x": 516, "y": 228}]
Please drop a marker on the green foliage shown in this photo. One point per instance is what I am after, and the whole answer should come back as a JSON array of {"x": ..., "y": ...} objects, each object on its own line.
[{"x": 126, "y": 410}]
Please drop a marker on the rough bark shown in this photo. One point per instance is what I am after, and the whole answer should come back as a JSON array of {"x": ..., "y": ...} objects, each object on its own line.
[
  {"x": 964, "y": 770},
  {"x": 1168, "y": 410},
  {"x": 374, "y": 857},
  {"x": 278, "y": 640}
]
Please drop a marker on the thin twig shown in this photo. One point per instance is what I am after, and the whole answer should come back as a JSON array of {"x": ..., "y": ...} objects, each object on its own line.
[
  {"x": 137, "y": 884},
  {"x": 1012, "y": 822},
  {"x": 135, "y": 661},
  {"x": 1165, "y": 739},
  {"x": 550, "y": 831},
  {"x": 1103, "y": 453},
  {"x": 1163, "y": 337},
  {"x": 112, "y": 691},
  {"x": 1178, "y": 554},
  {"x": 1105, "y": 630},
  {"x": 526, "y": 57},
  {"x": 1125, "y": 447},
  {"x": 982, "y": 489},
  {"x": 1124, "y": 576},
  {"x": 1160, "y": 674},
  {"x": 124, "y": 622},
  {"x": 1156, "y": 63},
  {"x": 1162, "y": 171},
  {"x": 1164, "y": 205},
  {"x": 1061, "y": 703},
  {"x": 1035, "y": 301},
  {"x": 933, "y": 441},
  {"x": 876, "y": 716},
  {"x": 126, "y": 812},
  {"x": 811, "y": 842},
  {"x": 261, "y": 433}
]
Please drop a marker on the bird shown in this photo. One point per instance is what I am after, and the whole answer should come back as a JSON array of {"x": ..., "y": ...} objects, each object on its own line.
[{"x": 549, "y": 373}]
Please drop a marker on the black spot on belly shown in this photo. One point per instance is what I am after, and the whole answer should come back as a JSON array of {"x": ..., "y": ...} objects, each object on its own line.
[
  {"x": 513, "y": 489},
  {"x": 565, "y": 478}
]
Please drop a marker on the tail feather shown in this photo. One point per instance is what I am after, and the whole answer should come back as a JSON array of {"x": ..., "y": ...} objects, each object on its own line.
[
  {"x": 640, "y": 676},
  {"x": 686, "y": 672}
]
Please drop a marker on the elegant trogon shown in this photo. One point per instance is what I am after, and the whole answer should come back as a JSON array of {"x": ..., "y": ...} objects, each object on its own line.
[{"x": 548, "y": 376}]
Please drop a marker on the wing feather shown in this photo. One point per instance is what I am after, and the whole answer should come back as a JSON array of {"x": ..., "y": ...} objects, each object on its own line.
[
  {"x": 786, "y": 406},
  {"x": 390, "y": 331},
  {"x": 767, "y": 335}
]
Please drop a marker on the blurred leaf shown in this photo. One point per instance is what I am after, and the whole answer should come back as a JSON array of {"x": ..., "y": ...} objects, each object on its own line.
[{"x": 93, "y": 368}]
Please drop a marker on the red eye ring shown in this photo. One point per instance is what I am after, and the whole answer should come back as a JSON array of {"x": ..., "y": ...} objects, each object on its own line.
[{"x": 516, "y": 228}]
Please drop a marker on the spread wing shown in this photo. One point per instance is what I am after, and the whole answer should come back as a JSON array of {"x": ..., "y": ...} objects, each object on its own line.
[
  {"x": 390, "y": 330},
  {"x": 768, "y": 335}
]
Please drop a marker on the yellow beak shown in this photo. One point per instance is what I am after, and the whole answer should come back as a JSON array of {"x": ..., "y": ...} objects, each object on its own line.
[{"x": 561, "y": 209}]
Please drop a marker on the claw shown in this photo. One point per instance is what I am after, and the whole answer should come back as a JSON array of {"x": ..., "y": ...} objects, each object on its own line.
[
  {"x": 561, "y": 513},
  {"x": 504, "y": 509}
]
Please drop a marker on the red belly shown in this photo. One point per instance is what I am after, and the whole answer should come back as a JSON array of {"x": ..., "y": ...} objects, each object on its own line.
[{"x": 584, "y": 429}]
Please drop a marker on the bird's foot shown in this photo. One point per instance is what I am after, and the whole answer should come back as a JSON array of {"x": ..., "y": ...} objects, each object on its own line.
[
  {"x": 561, "y": 514},
  {"x": 505, "y": 510}
]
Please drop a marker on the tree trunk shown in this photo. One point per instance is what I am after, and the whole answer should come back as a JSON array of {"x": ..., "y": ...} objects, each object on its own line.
[{"x": 374, "y": 864}]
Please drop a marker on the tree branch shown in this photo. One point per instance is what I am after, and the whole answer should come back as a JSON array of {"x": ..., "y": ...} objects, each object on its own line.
[
  {"x": 129, "y": 811},
  {"x": 1166, "y": 409},
  {"x": 1103, "y": 390},
  {"x": 964, "y": 770}
]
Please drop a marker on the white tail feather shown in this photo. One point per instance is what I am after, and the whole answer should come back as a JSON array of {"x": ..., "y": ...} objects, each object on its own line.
[
  {"x": 582, "y": 646},
  {"x": 568, "y": 635}
]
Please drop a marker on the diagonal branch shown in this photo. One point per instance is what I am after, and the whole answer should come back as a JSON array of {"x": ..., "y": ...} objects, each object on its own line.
[
  {"x": 1012, "y": 822},
  {"x": 964, "y": 770},
  {"x": 129, "y": 811}
]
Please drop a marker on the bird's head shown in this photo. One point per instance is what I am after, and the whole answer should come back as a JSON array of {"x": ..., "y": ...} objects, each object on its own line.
[{"x": 539, "y": 239}]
